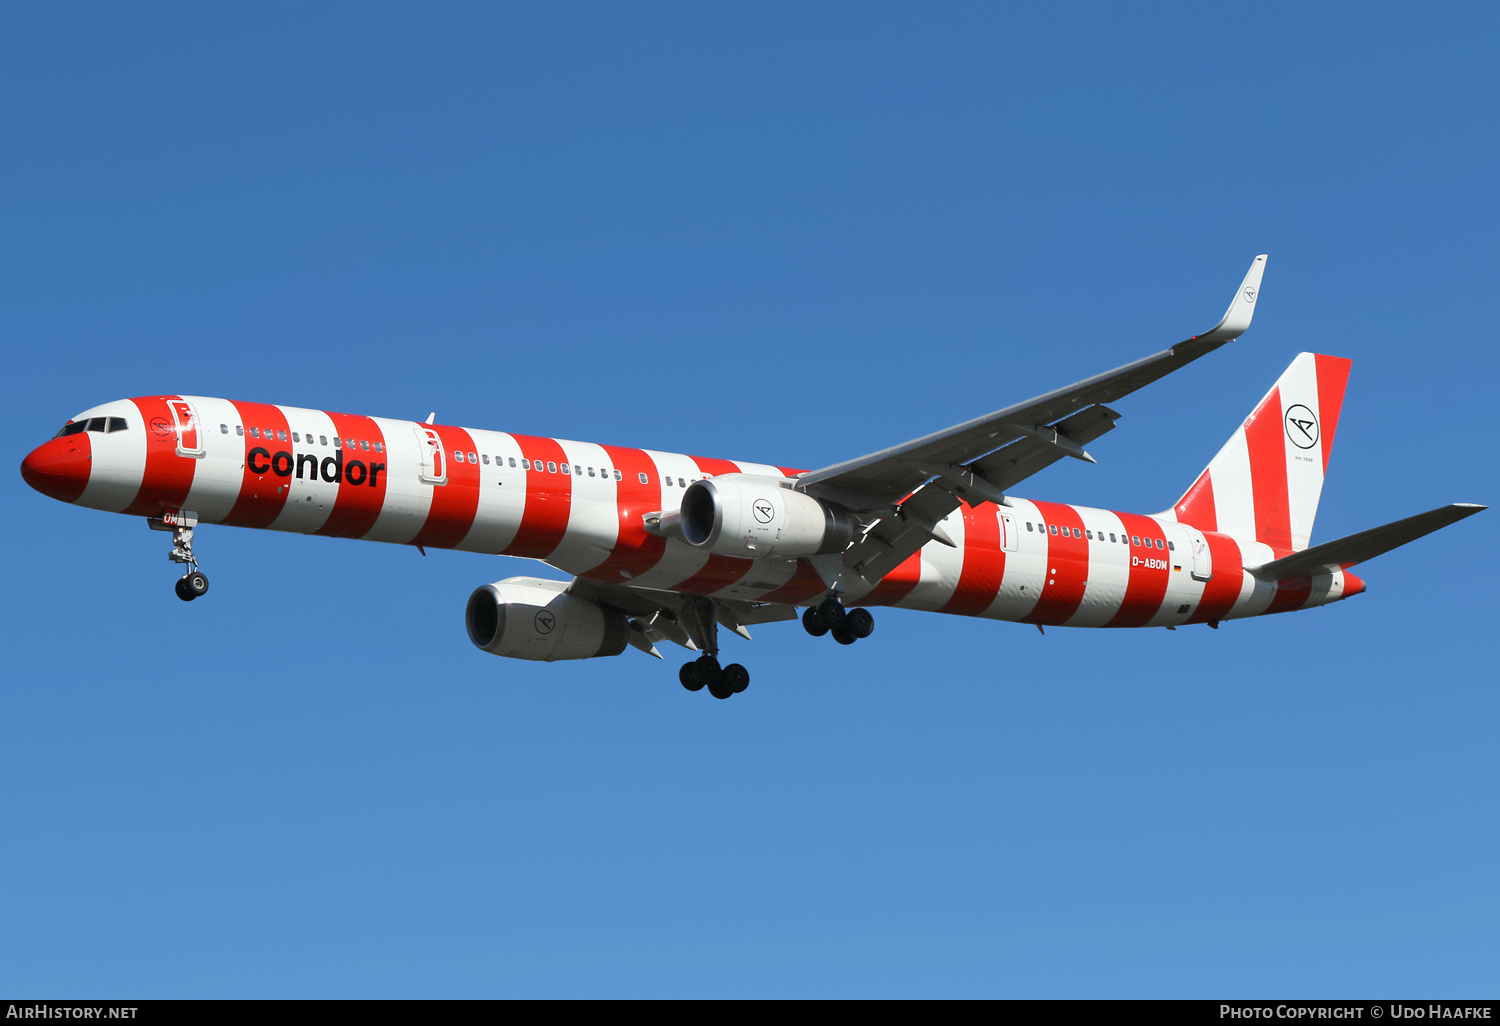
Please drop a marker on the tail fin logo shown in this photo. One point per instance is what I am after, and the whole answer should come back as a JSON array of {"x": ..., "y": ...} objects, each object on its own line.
[
  {"x": 1302, "y": 426},
  {"x": 1249, "y": 293}
]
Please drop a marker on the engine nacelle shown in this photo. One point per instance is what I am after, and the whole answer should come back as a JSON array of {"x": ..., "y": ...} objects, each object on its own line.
[
  {"x": 529, "y": 618},
  {"x": 755, "y": 517}
]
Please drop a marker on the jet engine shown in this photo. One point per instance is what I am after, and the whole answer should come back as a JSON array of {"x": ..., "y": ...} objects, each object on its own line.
[
  {"x": 755, "y": 517},
  {"x": 529, "y": 618}
]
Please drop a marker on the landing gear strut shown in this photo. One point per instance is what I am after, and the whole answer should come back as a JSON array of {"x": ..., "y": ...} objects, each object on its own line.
[
  {"x": 830, "y": 617},
  {"x": 700, "y": 620},
  {"x": 194, "y": 583}
]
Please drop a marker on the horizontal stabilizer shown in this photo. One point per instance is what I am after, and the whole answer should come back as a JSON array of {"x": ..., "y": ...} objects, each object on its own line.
[{"x": 1356, "y": 548}]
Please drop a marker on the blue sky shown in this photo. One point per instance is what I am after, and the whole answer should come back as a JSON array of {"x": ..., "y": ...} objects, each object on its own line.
[{"x": 792, "y": 234}]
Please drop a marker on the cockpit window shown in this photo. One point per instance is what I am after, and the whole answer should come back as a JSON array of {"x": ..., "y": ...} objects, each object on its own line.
[
  {"x": 97, "y": 424},
  {"x": 117, "y": 424},
  {"x": 72, "y": 428}
]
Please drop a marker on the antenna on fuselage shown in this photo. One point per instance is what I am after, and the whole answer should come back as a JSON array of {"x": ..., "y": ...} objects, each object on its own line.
[{"x": 431, "y": 416}]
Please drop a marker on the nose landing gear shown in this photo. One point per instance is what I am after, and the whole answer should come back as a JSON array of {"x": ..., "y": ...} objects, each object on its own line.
[{"x": 194, "y": 583}]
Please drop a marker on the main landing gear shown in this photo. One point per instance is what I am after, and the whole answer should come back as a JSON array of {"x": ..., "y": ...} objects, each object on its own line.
[
  {"x": 699, "y": 618},
  {"x": 830, "y": 617},
  {"x": 194, "y": 583},
  {"x": 705, "y": 672}
]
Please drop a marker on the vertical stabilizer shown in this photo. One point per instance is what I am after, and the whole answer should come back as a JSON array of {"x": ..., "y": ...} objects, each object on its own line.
[{"x": 1265, "y": 483}]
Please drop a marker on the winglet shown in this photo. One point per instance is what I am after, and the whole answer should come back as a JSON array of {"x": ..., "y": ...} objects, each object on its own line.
[{"x": 1237, "y": 317}]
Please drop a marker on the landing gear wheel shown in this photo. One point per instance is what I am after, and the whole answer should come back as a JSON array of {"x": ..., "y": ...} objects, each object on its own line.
[
  {"x": 196, "y": 584},
  {"x": 843, "y": 636},
  {"x": 720, "y": 689},
  {"x": 736, "y": 678},
  {"x": 812, "y": 624},
  {"x": 831, "y": 613},
  {"x": 859, "y": 622},
  {"x": 182, "y": 591},
  {"x": 689, "y": 678}
]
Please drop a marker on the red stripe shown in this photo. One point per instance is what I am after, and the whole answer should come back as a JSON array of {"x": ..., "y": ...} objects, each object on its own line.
[
  {"x": 1290, "y": 595},
  {"x": 549, "y": 500},
  {"x": 1067, "y": 566},
  {"x": 453, "y": 504},
  {"x": 805, "y": 583},
  {"x": 357, "y": 506},
  {"x": 168, "y": 477},
  {"x": 897, "y": 584},
  {"x": 1223, "y": 588},
  {"x": 1147, "y": 585},
  {"x": 263, "y": 492},
  {"x": 1196, "y": 508},
  {"x": 634, "y": 551},
  {"x": 984, "y": 563},
  {"x": 1265, "y": 435},
  {"x": 1333, "y": 378}
]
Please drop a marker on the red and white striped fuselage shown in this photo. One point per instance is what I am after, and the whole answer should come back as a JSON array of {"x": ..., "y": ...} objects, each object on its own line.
[{"x": 579, "y": 507}]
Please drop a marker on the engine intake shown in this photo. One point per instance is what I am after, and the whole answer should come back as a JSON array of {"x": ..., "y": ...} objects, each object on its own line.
[
  {"x": 755, "y": 517},
  {"x": 530, "y": 618}
]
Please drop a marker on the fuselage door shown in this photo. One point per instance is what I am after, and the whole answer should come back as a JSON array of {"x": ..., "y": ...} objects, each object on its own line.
[
  {"x": 1009, "y": 540},
  {"x": 434, "y": 466},
  {"x": 189, "y": 435},
  {"x": 1200, "y": 554}
]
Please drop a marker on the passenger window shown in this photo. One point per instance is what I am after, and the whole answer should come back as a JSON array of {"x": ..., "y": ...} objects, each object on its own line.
[
  {"x": 1134, "y": 540},
  {"x": 255, "y": 432},
  {"x": 645, "y": 479},
  {"x": 379, "y": 447},
  {"x": 1077, "y": 533},
  {"x": 551, "y": 467},
  {"x": 364, "y": 443},
  {"x": 1051, "y": 528},
  {"x": 458, "y": 455},
  {"x": 681, "y": 483},
  {"x": 323, "y": 439},
  {"x": 281, "y": 436},
  {"x": 1028, "y": 525},
  {"x": 577, "y": 469},
  {"x": 338, "y": 443},
  {"x": 1088, "y": 534},
  {"x": 1171, "y": 546},
  {"x": 565, "y": 469},
  {"x": 513, "y": 461},
  {"x": 591, "y": 472},
  {"x": 525, "y": 464},
  {"x": 1159, "y": 544},
  {"x": 239, "y": 429},
  {"x": 351, "y": 442},
  {"x": 617, "y": 475},
  {"x": 485, "y": 459},
  {"x": 473, "y": 458},
  {"x": 223, "y": 428},
  {"x": 667, "y": 481},
  {"x": 1111, "y": 536}
]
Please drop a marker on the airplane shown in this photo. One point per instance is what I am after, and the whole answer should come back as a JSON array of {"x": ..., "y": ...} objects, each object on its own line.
[{"x": 668, "y": 547}]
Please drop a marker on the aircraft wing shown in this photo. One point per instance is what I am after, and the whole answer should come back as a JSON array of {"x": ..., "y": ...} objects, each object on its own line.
[
  {"x": 879, "y": 480},
  {"x": 686, "y": 620}
]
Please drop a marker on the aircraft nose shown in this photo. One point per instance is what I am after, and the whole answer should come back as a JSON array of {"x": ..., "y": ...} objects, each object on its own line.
[{"x": 59, "y": 468}]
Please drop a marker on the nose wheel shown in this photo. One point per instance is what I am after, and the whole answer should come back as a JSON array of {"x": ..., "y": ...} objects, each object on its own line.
[
  {"x": 191, "y": 586},
  {"x": 194, "y": 583}
]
